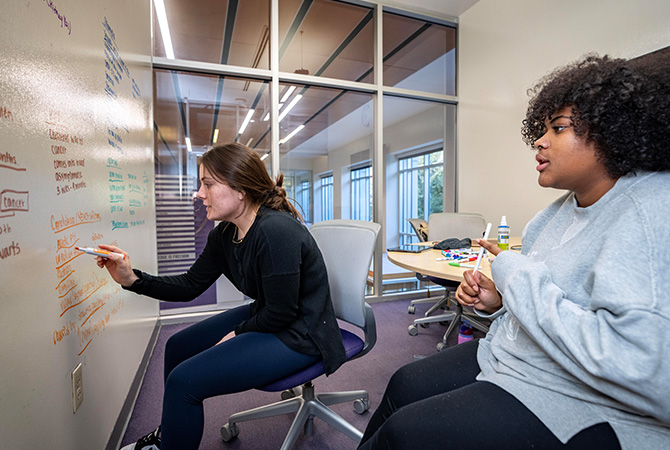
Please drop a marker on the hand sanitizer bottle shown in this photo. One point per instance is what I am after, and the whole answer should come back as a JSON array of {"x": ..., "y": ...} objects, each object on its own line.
[{"x": 503, "y": 234}]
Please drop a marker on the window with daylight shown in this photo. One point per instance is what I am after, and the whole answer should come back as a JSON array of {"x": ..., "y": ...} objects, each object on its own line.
[
  {"x": 421, "y": 186},
  {"x": 361, "y": 193},
  {"x": 327, "y": 197},
  {"x": 302, "y": 197}
]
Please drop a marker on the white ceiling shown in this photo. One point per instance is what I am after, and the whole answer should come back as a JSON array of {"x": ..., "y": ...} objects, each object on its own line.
[{"x": 449, "y": 7}]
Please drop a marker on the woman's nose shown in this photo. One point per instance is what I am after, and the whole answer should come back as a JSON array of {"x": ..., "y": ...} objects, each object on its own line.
[{"x": 541, "y": 143}]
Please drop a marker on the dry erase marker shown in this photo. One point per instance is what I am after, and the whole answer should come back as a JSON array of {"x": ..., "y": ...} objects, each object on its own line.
[
  {"x": 465, "y": 259},
  {"x": 98, "y": 252},
  {"x": 481, "y": 249},
  {"x": 457, "y": 264}
]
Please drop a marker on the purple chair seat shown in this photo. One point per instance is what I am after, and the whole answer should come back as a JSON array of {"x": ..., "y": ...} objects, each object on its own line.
[{"x": 352, "y": 347}]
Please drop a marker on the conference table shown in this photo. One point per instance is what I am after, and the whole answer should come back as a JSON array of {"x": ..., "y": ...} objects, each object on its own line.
[{"x": 428, "y": 262}]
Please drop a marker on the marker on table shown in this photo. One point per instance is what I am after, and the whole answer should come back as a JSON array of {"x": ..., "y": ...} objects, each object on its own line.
[
  {"x": 98, "y": 252},
  {"x": 457, "y": 264},
  {"x": 481, "y": 249}
]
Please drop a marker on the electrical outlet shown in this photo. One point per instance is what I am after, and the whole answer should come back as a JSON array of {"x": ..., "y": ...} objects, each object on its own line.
[{"x": 77, "y": 388}]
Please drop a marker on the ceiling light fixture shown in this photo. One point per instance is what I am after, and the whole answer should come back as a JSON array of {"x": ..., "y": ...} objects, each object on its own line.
[
  {"x": 216, "y": 136},
  {"x": 188, "y": 144},
  {"x": 161, "y": 15},
  {"x": 246, "y": 121},
  {"x": 265, "y": 156},
  {"x": 290, "y": 106},
  {"x": 288, "y": 93},
  {"x": 267, "y": 117},
  {"x": 293, "y": 133}
]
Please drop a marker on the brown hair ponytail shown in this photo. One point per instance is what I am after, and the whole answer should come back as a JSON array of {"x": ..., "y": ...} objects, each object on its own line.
[{"x": 242, "y": 169}]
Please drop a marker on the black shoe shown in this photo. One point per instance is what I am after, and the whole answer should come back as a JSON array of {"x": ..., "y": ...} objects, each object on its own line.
[{"x": 151, "y": 441}]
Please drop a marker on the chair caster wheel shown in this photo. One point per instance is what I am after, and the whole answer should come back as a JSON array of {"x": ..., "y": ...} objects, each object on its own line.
[
  {"x": 411, "y": 309},
  {"x": 228, "y": 432},
  {"x": 361, "y": 405},
  {"x": 413, "y": 330},
  {"x": 441, "y": 346},
  {"x": 288, "y": 393}
]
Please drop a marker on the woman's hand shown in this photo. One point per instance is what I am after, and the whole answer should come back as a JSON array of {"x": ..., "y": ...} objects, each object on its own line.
[
  {"x": 226, "y": 337},
  {"x": 478, "y": 291},
  {"x": 118, "y": 267},
  {"x": 491, "y": 248}
]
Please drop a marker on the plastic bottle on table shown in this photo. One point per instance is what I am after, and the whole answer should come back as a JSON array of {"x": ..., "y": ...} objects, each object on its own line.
[{"x": 503, "y": 234}]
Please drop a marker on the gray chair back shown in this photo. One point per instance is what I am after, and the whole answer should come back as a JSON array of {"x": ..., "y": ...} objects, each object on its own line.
[
  {"x": 347, "y": 247},
  {"x": 455, "y": 225}
]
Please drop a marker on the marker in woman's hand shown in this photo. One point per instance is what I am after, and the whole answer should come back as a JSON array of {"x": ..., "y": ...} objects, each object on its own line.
[
  {"x": 481, "y": 249},
  {"x": 99, "y": 252}
]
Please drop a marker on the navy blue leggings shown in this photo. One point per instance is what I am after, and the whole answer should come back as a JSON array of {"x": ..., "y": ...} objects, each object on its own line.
[
  {"x": 436, "y": 404},
  {"x": 196, "y": 369}
]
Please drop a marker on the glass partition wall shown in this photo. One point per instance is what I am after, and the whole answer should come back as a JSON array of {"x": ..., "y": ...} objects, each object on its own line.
[{"x": 353, "y": 102}]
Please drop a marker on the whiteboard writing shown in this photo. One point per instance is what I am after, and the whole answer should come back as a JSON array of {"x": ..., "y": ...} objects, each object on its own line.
[{"x": 63, "y": 20}]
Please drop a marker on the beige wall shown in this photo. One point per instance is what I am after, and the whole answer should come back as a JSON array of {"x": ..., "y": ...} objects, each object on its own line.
[{"x": 504, "y": 47}]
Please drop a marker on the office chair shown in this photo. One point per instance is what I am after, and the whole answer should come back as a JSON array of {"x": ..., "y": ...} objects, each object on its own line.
[
  {"x": 420, "y": 228},
  {"x": 442, "y": 226},
  {"x": 347, "y": 247}
]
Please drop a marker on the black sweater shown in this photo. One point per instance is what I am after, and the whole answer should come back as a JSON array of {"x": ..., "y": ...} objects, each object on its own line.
[{"x": 279, "y": 265}]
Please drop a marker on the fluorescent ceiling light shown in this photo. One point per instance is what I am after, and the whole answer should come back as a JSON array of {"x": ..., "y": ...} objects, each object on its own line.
[
  {"x": 293, "y": 133},
  {"x": 246, "y": 121},
  {"x": 216, "y": 136},
  {"x": 249, "y": 141},
  {"x": 188, "y": 144},
  {"x": 161, "y": 15},
  {"x": 290, "y": 106},
  {"x": 265, "y": 156},
  {"x": 287, "y": 94},
  {"x": 267, "y": 117}
]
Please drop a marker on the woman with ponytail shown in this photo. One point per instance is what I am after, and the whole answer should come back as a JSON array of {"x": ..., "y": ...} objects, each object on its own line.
[{"x": 265, "y": 251}]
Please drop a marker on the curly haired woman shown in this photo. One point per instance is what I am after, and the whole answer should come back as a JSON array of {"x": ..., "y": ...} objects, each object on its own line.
[
  {"x": 263, "y": 249},
  {"x": 568, "y": 362}
]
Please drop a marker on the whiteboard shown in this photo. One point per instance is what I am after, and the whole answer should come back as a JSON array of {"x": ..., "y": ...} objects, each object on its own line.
[{"x": 76, "y": 169}]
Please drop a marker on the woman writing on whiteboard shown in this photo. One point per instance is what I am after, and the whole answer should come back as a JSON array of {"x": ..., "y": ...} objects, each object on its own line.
[
  {"x": 565, "y": 364},
  {"x": 262, "y": 247}
]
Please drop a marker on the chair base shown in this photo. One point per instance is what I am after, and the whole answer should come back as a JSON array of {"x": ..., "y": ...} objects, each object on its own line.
[
  {"x": 307, "y": 406},
  {"x": 455, "y": 317}
]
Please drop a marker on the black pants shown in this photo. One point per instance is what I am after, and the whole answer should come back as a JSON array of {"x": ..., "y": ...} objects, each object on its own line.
[
  {"x": 196, "y": 369},
  {"x": 436, "y": 403}
]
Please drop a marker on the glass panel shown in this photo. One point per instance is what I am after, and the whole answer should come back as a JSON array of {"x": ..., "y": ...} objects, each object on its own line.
[
  {"x": 324, "y": 156},
  {"x": 324, "y": 131},
  {"x": 326, "y": 38},
  {"x": 419, "y": 170},
  {"x": 230, "y": 32},
  {"x": 419, "y": 55},
  {"x": 192, "y": 113}
]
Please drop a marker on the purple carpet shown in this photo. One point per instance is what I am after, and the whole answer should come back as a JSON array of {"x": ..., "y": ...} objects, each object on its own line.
[{"x": 394, "y": 348}]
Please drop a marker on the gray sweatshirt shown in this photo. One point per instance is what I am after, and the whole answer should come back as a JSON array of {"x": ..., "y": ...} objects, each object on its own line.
[{"x": 584, "y": 333}]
